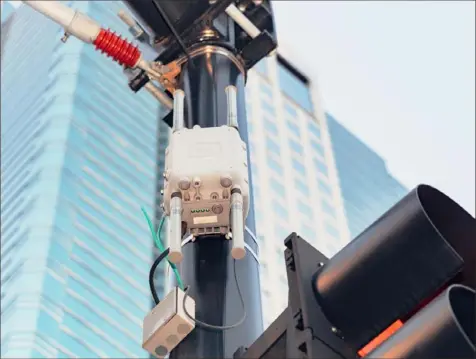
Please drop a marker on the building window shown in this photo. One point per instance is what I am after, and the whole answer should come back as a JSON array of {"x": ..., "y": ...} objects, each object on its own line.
[
  {"x": 293, "y": 128},
  {"x": 328, "y": 208},
  {"x": 314, "y": 128},
  {"x": 299, "y": 167},
  {"x": 259, "y": 218},
  {"x": 250, "y": 127},
  {"x": 266, "y": 89},
  {"x": 294, "y": 86},
  {"x": 324, "y": 187},
  {"x": 280, "y": 210},
  {"x": 290, "y": 110},
  {"x": 302, "y": 187},
  {"x": 321, "y": 167},
  {"x": 317, "y": 147},
  {"x": 332, "y": 230},
  {"x": 278, "y": 187},
  {"x": 296, "y": 147},
  {"x": 268, "y": 108},
  {"x": 307, "y": 232},
  {"x": 282, "y": 233},
  {"x": 305, "y": 209},
  {"x": 262, "y": 67},
  {"x": 252, "y": 149},
  {"x": 254, "y": 170},
  {"x": 272, "y": 146},
  {"x": 270, "y": 127},
  {"x": 275, "y": 166}
]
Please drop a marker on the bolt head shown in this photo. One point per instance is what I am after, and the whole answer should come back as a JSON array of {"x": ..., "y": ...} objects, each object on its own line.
[
  {"x": 226, "y": 181},
  {"x": 217, "y": 209},
  {"x": 184, "y": 184},
  {"x": 197, "y": 182}
]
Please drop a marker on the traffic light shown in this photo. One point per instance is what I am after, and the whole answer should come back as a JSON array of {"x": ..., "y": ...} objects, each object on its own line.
[{"x": 403, "y": 288}]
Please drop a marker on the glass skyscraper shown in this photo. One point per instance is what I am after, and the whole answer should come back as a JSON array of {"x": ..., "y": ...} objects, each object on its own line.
[
  {"x": 78, "y": 157},
  {"x": 368, "y": 190},
  {"x": 6, "y": 10}
]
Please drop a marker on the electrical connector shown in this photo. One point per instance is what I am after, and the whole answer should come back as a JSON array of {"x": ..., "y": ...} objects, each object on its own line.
[{"x": 168, "y": 324}]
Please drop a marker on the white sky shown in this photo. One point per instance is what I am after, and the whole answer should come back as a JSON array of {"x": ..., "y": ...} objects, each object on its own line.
[{"x": 401, "y": 76}]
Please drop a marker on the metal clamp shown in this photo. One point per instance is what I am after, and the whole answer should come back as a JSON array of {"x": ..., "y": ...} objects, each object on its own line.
[{"x": 190, "y": 238}]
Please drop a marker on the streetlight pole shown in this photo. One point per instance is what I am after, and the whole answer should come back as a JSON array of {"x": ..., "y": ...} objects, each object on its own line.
[{"x": 207, "y": 266}]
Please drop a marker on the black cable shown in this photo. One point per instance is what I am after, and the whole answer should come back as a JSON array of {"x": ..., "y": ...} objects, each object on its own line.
[
  {"x": 159, "y": 259},
  {"x": 216, "y": 327},
  {"x": 172, "y": 30}
]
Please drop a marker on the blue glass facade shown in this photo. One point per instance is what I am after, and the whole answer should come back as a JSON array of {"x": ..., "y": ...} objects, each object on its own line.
[
  {"x": 294, "y": 87},
  {"x": 78, "y": 161},
  {"x": 7, "y": 10},
  {"x": 368, "y": 190}
]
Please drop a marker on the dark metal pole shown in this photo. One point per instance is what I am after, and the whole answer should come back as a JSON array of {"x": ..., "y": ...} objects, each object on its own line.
[{"x": 207, "y": 266}]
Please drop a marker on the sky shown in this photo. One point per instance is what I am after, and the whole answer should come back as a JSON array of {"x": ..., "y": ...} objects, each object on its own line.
[{"x": 400, "y": 75}]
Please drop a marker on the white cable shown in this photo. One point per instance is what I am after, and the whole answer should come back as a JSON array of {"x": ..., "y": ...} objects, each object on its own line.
[
  {"x": 159, "y": 95},
  {"x": 242, "y": 21},
  {"x": 219, "y": 327}
]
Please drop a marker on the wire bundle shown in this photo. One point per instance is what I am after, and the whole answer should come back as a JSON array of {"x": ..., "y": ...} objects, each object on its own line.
[{"x": 164, "y": 253}]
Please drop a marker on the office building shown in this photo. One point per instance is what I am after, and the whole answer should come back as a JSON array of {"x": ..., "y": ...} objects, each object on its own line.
[
  {"x": 78, "y": 161},
  {"x": 368, "y": 189},
  {"x": 295, "y": 179},
  {"x": 6, "y": 10},
  {"x": 7, "y": 13}
]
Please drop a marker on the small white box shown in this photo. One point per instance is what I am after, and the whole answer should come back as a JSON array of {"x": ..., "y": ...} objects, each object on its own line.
[
  {"x": 167, "y": 324},
  {"x": 203, "y": 157}
]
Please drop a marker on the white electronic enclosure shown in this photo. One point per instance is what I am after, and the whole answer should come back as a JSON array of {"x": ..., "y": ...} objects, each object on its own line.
[
  {"x": 168, "y": 324},
  {"x": 206, "y": 183}
]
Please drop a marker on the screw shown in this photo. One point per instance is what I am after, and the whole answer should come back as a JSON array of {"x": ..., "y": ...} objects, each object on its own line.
[
  {"x": 184, "y": 184},
  {"x": 320, "y": 264},
  {"x": 226, "y": 181},
  {"x": 65, "y": 37}
]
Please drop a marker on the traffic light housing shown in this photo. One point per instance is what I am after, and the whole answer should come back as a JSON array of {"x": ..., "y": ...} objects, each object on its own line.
[{"x": 403, "y": 288}]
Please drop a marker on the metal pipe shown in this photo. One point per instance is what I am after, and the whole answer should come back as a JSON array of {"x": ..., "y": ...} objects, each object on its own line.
[
  {"x": 207, "y": 265},
  {"x": 159, "y": 95},
  {"x": 237, "y": 226},
  {"x": 242, "y": 21},
  {"x": 178, "y": 122},
  {"x": 175, "y": 228},
  {"x": 232, "y": 109}
]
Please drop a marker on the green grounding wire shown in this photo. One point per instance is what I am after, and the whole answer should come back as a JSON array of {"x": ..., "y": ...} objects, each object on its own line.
[{"x": 160, "y": 245}]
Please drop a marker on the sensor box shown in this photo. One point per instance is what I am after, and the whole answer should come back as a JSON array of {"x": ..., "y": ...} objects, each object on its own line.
[{"x": 167, "y": 324}]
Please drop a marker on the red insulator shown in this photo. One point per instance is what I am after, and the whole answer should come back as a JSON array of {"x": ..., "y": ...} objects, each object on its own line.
[{"x": 119, "y": 49}]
